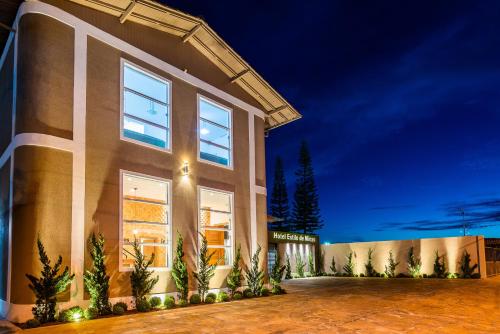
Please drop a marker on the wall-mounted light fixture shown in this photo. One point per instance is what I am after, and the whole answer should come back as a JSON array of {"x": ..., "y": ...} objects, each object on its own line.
[{"x": 185, "y": 168}]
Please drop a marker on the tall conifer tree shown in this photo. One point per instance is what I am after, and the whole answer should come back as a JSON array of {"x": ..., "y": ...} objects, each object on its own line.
[
  {"x": 306, "y": 217},
  {"x": 279, "y": 199}
]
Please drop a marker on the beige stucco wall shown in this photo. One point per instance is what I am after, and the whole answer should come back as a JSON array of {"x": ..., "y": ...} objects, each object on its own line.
[{"x": 452, "y": 248}]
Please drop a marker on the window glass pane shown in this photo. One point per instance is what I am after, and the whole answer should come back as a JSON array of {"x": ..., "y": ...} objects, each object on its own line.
[
  {"x": 218, "y": 237},
  {"x": 215, "y": 219},
  {"x": 145, "y": 84},
  {"x": 214, "y": 113},
  {"x": 145, "y": 211},
  {"x": 221, "y": 254},
  {"x": 214, "y": 134},
  {"x": 144, "y": 132},
  {"x": 215, "y": 200},
  {"x": 214, "y": 153},
  {"x": 146, "y": 109}
]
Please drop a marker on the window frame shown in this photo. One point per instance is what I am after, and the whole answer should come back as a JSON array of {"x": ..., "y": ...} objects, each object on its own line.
[
  {"x": 123, "y": 63},
  {"x": 231, "y": 229},
  {"x": 169, "y": 248},
  {"x": 199, "y": 98}
]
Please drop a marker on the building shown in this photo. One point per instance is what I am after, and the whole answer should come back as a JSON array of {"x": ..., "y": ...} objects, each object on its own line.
[{"x": 134, "y": 120}]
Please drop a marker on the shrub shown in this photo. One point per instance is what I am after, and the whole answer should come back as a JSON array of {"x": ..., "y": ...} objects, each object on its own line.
[
  {"x": 402, "y": 275},
  {"x": 169, "y": 302},
  {"x": 333, "y": 266},
  {"x": 264, "y": 292},
  {"x": 155, "y": 301},
  {"x": 209, "y": 300},
  {"x": 277, "y": 271},
  {"x": 370, "y": 271},
  {"x": 237, "y": 295},
  {"x": 211, "y": 294},
  {"x": 277, "y": 290},
  {"x": 451, "y": 275},
  {"x": 310, "y": 261},
  {"x": 141, "y": 279},
  {"x": 91, "y": 313},
  {"x": 32, "y": 323},
  {"x": 349, "y": 266},
  {"x": 299, "y": 265},
  {"x": 222, "y": 297},
  {"x": 195, "y": 299},
  {"x": 74, "y": 313},
  {"x": 123, "y": 305},
  {"x": 48, "y": 286},
  {"x": 475, "y": 275},
  {"x": 96, "y": 280},
  {"x": 321, "y": 264},
  {"x": 439, "y": 265},
  {"x": 234, "y": 277},
  {"x": 361, "y": 275},
  {"x": 466, "y": 270},
  {"x": 390, "y": 269},
  {"x": 424, "y": 275},
  {"x": 118, "y": 309},
  {"x": 179, "y": 270},
  {"x": 205, "y": 270},
  {"x": 288, "y": 270},
  {"x": 414, "y": 263},
  {"x": 255, "y": 276},
  {"x": 248, "y": 293},
  {"x": 182, "y": 303}
]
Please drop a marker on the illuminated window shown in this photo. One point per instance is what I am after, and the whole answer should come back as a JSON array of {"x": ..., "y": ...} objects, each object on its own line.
[
  {"x": 215, "y": 223},
  {"x": 145, "y": 218},
  {"x": 214, "y": 132},
  {"x": 145, "y": 117}
]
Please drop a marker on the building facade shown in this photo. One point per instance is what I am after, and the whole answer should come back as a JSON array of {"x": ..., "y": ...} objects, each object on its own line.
[{"x": 133, "y": 120}]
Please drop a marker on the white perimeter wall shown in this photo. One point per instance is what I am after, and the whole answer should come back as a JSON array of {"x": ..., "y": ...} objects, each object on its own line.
[{"x": 452, "y": 247}]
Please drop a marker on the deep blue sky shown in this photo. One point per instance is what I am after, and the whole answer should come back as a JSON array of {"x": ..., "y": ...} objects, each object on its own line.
[{"x": 400, "y": 104}]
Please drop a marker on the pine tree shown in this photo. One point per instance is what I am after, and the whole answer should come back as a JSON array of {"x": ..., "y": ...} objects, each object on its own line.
[
  {"x": 306, "y": 217},
  {"x": 48, "y": 286},
  {"x": 234, "y": 277},
  {"x": 276, "y": 274},
  {"x": 370, "y": 271},
  {"x": 439, "y": 265},
  {"x": 390, "y": 269},
  {"x": 96, "y": 280},
  {"x": 414, "y": 263},
  {"x": 279, "y": 200},
  {"x": 333, "y": 266},
  {"x": 466, "y": 270},
  {"x": 288, "y": 270},
  {"x": 205, "y": 270},
  {"x": 255, "y": 276},
  {"x": 141, "y": 279},
  {"x": 349, "y": 267},
  {"x": 179, "y": 270}
]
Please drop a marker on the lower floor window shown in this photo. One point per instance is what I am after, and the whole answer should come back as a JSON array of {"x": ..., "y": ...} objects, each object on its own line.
[
  {"x": 215, "y": 223},
  {"x": 145, "y": 218}
]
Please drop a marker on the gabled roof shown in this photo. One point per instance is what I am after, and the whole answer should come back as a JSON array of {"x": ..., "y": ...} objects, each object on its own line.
[{"x": 195, "y": 31}]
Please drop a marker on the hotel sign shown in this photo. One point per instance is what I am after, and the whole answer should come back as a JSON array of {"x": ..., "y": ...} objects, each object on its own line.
[{"x": 290, "y": 237}]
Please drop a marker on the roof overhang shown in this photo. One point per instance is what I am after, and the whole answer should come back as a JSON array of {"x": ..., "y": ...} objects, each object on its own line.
[{"x": 195, "y": 31}]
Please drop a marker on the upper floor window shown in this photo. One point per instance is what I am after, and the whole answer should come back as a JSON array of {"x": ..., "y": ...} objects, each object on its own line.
[
  {"x": 214, "y": 133},
  {"x": 146, "y": 108},
  {"x": 146, "y": 218}
]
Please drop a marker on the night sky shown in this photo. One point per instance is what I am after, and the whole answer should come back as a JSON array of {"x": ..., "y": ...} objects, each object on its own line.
[{"x": 400, "y": 103}]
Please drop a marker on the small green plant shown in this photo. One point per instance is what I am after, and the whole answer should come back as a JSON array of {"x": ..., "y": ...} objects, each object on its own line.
[
  {"x": 48, "y": 286},
  {"x": 234, "y": 277},
  {"x": 169, "y": 302},
  {"x": 182, "y": 303},
  {"x": 91, "y": 313},
  {"x": 248, "y": 293},
  {"x": 96, "y": 280},
  {"x": 370, "y": 270},
  {"x": 466, "y": 270},
  {"x": 222, "y": 297},
  {"x": 72, "y": 314},
  {"x": 277, "y": 290},
  {"x": 209, "y": 300},
  {"x": 299, "y": 265},
  {"x": 155, "y": 301},
  {"x": 414, "y": 264},
  {"x": 118, "y": 309},
  {"x": 141, "y": 279},
  {"x": 205, "y": 270},
  {"x": 439, "y": 265},
  {"x": 32, "y": 323},
  {"x": 255, "y": 276},
  {"x": 123, "y": 305},
  {"x": 179, "y": 270},
  {"x": 349, "y": 267},
  {"x": 390, "y": 268},
  {"x": 237, "y": 295},
  {"x": 264, "y": 292},
  {"x": 451, "y": 275},
  {"x": 321, "y": 264},
  {"x": 310, "y": 262},
  {"x": 212, "y": 294},
  {"x": 142, "y": 305},
  {"x": 288, "y": 270},
  {"x": 195, "y": 299},
  {"x": 333, "y": 266},
  {"x": 277, "y": 271}
]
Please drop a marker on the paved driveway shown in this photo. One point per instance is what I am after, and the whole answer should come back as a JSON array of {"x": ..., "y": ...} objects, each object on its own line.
[{"x": 328, "y": 305}]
